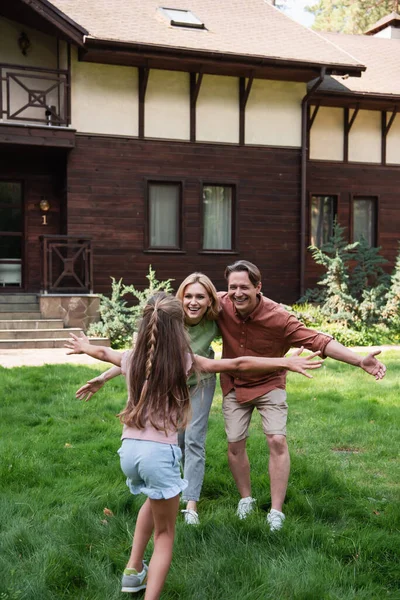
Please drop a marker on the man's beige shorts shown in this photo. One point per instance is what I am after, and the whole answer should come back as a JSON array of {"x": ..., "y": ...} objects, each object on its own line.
[{"x": 272, "y": 408}]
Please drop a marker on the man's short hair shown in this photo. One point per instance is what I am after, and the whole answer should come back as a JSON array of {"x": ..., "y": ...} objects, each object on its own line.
[{"x": 244, "y": 265}]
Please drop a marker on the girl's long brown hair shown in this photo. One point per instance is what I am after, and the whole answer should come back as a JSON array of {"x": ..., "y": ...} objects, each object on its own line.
[{"x": 156, "y": 374}]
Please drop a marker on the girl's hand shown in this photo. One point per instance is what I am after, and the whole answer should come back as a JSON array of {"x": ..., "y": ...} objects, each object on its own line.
[
  {"x": 91, "y": 387},
  {"x": 300, "y": 364}
]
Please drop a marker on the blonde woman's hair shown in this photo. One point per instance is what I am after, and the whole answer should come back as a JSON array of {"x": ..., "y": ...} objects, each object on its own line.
[
  {"x": 157, "y": 371},
  {"x": 213, "y": 310}
]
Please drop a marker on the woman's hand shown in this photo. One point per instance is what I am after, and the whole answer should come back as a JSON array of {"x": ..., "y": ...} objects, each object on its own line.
[{"x": 300, "y": 364}]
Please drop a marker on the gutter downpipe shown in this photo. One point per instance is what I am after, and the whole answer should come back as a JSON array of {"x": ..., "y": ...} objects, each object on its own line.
[{"x": 304, "y": 156}]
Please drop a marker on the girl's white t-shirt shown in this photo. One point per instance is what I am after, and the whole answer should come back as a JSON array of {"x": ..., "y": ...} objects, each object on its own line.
[{"x": 149, "y": 433}]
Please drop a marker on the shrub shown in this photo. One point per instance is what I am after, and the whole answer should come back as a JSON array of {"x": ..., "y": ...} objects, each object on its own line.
[{"x": 118, "y": 319}]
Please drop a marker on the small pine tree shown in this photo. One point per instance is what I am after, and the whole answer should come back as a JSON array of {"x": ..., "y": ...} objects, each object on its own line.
[
  {"x": 118, "y": 319},
  {"x": 391, "y": 311},
  {"x": 354, "y": 283},
  {"x": 368, "y": 272}
]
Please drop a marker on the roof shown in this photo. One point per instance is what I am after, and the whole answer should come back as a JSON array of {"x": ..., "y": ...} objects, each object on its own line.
[
  {"x": 392, "y": 19},
  {"x": 380, "y": 55},
  {"x": 242, "y": 27}
]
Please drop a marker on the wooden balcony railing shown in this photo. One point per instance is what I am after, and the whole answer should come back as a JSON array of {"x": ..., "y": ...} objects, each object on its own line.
[
  {"x": 67, "y": 264},
  {"x": 33, "y": 94}
]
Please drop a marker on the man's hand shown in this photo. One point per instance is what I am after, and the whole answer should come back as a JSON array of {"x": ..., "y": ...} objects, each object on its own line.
[
  {"x": 373, "y": 366},
  {"x": 299, "y": 364},
  {"x": 91, "y": 387}
]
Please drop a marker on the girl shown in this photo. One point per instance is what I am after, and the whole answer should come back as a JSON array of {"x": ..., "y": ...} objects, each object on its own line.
[
  {"x": 201, "y": 307},
  {"x": 158, "y": 405}
]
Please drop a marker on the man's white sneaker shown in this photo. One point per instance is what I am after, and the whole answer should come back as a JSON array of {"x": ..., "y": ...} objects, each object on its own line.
[
  {"x": 191, "y": 517},
  {"x": 275, "y": 519},
  {"x": 245, "y": 507}
]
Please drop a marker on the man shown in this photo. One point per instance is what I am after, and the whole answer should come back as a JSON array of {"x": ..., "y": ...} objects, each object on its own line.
[{"x": 254, "y": 325}]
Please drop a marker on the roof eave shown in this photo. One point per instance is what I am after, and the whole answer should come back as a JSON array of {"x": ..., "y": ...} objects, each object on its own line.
[
  {"x": 354, "y": 70},
  {"x": 72, "y": 30}
]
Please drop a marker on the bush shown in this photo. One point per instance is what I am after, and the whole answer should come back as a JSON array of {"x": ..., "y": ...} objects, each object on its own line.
[
  {"x": 118, "y": 319},
  {"x": 356, "y": 301}
]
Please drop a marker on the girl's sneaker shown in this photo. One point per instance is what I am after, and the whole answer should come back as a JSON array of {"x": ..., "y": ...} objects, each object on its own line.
[
  {"x": 132, "y": 581},
  {"x": 191, "y": 517}
]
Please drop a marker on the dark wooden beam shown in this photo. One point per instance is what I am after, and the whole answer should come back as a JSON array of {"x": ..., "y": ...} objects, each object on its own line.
[
  {"x": 348, "y": 124},
  {"x": 143, "y": 81},
  {"x": 385, "y": 128},
  {"x": 312, "y": 117},
  {"x": 244, "y": 92},
  {"x": 195, "y": 85}
]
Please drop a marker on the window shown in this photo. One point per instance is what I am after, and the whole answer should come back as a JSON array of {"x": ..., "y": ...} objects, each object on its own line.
[
  {"x": 218, "y": 217},
  {"x": 164, "y": 208},
  {"x": 323, "y": 213},
  {"x": 182, "y": 18},
  {"x": 364, "y": 219}
]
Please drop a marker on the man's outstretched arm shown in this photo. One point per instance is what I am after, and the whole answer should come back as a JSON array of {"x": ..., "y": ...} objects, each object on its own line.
[{"x": 368, "y": 363}]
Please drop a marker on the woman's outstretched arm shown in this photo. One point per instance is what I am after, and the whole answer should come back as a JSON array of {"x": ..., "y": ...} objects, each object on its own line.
[{"x": 255, "y": 364}]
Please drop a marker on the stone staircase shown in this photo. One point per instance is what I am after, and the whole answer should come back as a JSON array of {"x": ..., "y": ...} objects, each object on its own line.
[{"x": 21, "y": 325}]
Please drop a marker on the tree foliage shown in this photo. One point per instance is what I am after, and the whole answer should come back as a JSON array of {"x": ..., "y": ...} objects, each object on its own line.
[
  {"x": 350, "y": 16},
  {"x": 118, "y": 318}
]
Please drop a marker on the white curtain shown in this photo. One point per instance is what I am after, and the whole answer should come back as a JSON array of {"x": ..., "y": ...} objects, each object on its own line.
[
  {"x": 164, "y": 205},
  {"x": 217, "y": 218},
  {"x": 322, "y": 219},
  {"x": 364, "y": 220}
]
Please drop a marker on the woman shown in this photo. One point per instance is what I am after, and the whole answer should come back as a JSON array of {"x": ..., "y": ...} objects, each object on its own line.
[{"x": 201, "y": 306}]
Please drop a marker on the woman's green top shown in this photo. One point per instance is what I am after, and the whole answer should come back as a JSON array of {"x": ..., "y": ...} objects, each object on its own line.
[{"x": 201, "y": 336}]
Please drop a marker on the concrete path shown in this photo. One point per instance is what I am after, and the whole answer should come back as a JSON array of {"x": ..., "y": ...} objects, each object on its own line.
[
  {"x": 37, "y": 357},
  {"x": 52, "y": 356}
]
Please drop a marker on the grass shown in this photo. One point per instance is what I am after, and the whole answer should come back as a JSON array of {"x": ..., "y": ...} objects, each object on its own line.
[{"x": 59, "y": 471}]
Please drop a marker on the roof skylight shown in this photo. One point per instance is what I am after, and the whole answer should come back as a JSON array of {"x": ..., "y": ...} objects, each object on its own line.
[{"x": 181, "y": 18}]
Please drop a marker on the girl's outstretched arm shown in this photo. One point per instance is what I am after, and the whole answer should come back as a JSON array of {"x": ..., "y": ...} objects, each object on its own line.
[
  {"x": 256, "y": 364},
  {"x": 94, "y": 385},
  {"x": 81, "y": 345}
]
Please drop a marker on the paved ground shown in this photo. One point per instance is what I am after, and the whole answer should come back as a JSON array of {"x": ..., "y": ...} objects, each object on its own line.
[{"x": 39, "y": 357}]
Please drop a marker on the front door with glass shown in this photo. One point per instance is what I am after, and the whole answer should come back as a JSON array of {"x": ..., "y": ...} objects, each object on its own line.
[{"x": 11, "y": 235}]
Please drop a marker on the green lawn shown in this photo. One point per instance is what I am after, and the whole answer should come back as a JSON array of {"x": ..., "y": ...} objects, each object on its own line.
[{"x": 60, "y": 470}]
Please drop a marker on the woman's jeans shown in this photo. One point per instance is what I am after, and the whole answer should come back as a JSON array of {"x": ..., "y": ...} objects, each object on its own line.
[{"x": 192, "y": 441}]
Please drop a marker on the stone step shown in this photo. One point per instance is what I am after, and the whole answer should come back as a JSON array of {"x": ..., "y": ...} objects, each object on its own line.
[
  {"x": 18, "y": 316},
  {"x": 6, "y": 307},
  {"x": 13, "y": 324},
  {"x": 18, "y": 298},
  {"x": 33, "y": 334},
  {"x": 45, "y": 343}
]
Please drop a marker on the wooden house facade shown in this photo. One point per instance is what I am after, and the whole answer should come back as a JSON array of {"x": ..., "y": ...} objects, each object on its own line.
[{"x": 133, "y": 134}]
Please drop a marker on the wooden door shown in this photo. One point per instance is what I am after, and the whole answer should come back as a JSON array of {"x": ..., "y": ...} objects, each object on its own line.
[{"x": 11, "y": 235}]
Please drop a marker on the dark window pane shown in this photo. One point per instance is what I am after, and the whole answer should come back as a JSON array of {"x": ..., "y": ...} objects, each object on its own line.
[
  {"x": 10, "y": 194},
  {"x": 323, "y": 213},
  {"x": 364, "y": 220},
  {"x": 10, "y": 247},
  {"x": 164, "y": 215},
  {"x": 217, "y": 217},
  {"x": 10, "y": 219}
]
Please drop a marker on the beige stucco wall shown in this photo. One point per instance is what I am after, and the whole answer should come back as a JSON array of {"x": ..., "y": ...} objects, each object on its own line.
[
  {"x": 273, "y": 113},
  {"x": 41, "y": 53},
  {"x": 167, "y": 107},
  {"x": 365, "y": 137},
  {"x": 393, "y": 142},
  {"x": 326, "y": 136},
  {"x": 104, "y": 98},
  {"x": 217, "y": 114}
]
